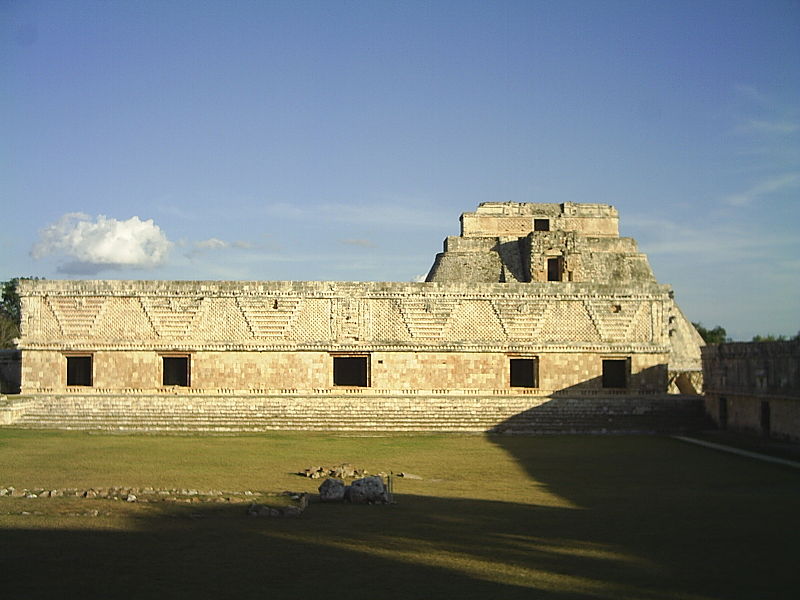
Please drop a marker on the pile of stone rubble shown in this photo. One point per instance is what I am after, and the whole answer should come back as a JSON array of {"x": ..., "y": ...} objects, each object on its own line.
[
  {"x": 343, "y": 471},
  {"x": 146, "y": 494}
]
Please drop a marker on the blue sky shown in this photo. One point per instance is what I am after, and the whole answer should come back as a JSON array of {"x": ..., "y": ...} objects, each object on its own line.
[{"x": 342, "y": 140}]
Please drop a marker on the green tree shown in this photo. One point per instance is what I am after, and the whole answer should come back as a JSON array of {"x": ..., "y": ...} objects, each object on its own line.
[
  {"x": 718, "y": 335},
  {"x": 770, "y": 337},
  {"x": 8, "y": 331},
  {"x": 10, "y": 311},
  {"x": 9, "y": 305}
]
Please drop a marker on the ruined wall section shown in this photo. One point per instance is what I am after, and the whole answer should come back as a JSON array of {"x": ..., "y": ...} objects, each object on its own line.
[
  {"x": 753, "y": 368},
  {"x": 754, "y": 387}
]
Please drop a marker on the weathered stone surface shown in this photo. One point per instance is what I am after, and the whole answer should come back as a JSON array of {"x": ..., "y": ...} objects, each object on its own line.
[
  {"x": 332, "y": 490},
  {"x": 369, "y": 490}
]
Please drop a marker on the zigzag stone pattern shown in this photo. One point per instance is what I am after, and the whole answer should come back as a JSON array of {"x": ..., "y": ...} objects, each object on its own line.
[
  {"x": 76, "y": 315},
  {"x": 452, "y": 315},
  {"x": 171, "y": 316}
]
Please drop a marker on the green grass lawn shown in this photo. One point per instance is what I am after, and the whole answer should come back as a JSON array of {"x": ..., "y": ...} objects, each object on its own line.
[{"x": 492, "y": 517}]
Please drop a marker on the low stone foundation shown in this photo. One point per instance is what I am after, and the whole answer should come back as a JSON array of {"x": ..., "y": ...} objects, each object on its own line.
[{"x": 443, "y": 412}]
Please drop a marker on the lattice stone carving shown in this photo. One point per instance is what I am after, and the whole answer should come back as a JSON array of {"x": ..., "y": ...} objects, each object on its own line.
[
  {"x": 268, "y": 317},
  {"x": 426, "y": 317},
  {"x": 641, "y": 325},
  {"x": 220, "y": 319},
  {"x": 312, "y": 321},
  {"x": 474, "y": 320},
  {"x": 171, "y": 316},
  {"x": 386, "y": 321},
  {"x": 123, "y": 319},
  {"x": 42, "y": 322},
  {"x": 76, "y": 316},
  {"x": 567, "y": 321}
]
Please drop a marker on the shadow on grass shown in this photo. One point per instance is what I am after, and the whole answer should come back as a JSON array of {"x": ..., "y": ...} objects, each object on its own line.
[
  {"x": 422, "y": 547},
  {"x": 708, "y": 525},
  {"x": 651, "y": 519}
]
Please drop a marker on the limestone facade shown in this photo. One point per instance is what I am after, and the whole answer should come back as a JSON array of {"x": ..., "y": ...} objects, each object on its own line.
[
  {"x": 488, "y": 320},
  {"x": 285, "y": 335}
]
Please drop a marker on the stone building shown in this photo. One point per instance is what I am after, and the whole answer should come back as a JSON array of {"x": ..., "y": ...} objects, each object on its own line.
[
  {"x": 754, "y": 387},
  {"x": 532, "y": 302}
]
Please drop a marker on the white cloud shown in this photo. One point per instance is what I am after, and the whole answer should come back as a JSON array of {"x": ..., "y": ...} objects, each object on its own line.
[
  {"x": 764, "y": 188},
  {"x": 214, "y": 244},
  {"x": 100, "y": 244},
  {"x": 211, "y": 244}
]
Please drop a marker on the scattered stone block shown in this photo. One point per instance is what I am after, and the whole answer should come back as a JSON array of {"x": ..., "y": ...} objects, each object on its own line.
[
  {"x": 369, "y": 490},
  {"x": 332, "y": 490}
]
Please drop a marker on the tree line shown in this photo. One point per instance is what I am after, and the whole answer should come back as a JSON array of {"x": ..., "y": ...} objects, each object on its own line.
[{"x": 718, "y": 335}]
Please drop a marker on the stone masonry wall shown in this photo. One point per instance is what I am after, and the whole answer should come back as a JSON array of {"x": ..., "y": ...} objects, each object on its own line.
[
  {"x": 141, "y": 371},
  {"x": 184, "y": 315},
  {"x": 273, "y": 335},
  {"x": 754, "y": 387}
]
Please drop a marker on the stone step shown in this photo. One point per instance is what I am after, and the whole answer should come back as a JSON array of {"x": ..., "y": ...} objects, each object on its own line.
[
  {"x": 533, "y": 416},
  {"x": 468, "y": 413}
]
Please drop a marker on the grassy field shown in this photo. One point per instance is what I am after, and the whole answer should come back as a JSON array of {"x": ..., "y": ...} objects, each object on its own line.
[{"x": 491, "y": 517}]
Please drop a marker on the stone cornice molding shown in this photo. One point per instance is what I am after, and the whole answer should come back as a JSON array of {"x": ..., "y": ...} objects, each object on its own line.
[{"x": 100, "y": 346}]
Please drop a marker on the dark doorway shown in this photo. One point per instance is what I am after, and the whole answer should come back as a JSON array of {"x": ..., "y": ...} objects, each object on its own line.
[
  {"x": 723, "y": 413},
  {"x": 766, "y": 418},
  {"x": 79, "y": 370},
  {"x": 554, "y": 269},
  {"x": 524, "y": 372},
  {"x": 351, "y": 371},
  {"x": 176, "y": 370},
  {"x": 541, "y": 224},
  {"x": 615, "y": 373}
]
